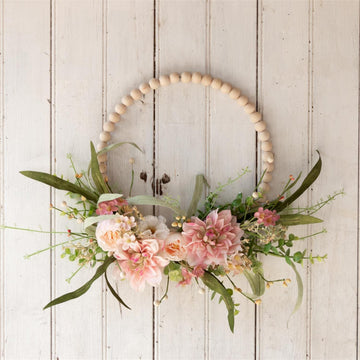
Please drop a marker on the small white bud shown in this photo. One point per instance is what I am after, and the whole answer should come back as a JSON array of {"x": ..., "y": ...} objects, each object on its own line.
[
  {"x": 131, "y": 161},
  {"x": 166, "y": 297},
  {"x": 156, "y": 303},
  {"x": 64, "y": 204},
  {"x": 255, "y": 195},
  {"x": 79, "y": 221},
  {"x": 201, "y": 291}
]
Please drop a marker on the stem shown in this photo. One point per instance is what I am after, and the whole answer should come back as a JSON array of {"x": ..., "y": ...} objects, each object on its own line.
[
  {"x": 132, "y": 179},
  {"x": 32, "y": 230},
  {"x": 278, "y": 280},
  {"x": 238, "y": 289},
  {"x": 166, "y": 291},
  {"x": 73, "y": 274}
]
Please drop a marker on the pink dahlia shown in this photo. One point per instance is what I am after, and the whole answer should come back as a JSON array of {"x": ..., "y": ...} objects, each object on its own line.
[
  {"x": 109, "y": 207},
  {"x": 210, "y": 242},
  {"x": 143, "y": 264},
  {"x": 266, "y": 217}
]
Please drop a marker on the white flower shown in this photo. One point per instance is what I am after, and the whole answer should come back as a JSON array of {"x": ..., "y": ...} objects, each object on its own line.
[{"x": 153, "y": 227}]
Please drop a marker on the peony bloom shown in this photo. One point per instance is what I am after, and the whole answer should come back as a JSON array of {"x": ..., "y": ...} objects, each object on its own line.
[
  {"x": 266, "y": 217},
  {"x": 210, "y": 242},
  {"x": 109, "y": 207},
  {"x": 174, "y": 247},
  {"x": 116, "y": 234},
  {"x": 153, "y": 227},
  {"x": 143, "y": 264}
]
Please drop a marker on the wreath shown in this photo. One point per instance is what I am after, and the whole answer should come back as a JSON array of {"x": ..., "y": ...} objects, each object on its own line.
[{"x": 209, "y": 243}]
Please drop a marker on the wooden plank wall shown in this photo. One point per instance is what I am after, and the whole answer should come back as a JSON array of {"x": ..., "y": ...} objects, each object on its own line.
[{"x": 66, "y": 63}]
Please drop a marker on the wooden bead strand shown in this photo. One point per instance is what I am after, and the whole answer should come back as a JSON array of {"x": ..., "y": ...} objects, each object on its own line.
[{"x": 196, "y": 78}]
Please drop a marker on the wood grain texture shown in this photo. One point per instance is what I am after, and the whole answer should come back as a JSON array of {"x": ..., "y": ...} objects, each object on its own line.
[{"x": 299, "y": 60}]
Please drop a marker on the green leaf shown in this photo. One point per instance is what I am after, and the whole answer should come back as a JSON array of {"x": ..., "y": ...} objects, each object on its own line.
[
  {"x": 308, "y": 181},
  {"x": 88, "y": 222},
  {"x": 214, "y": 284},
  {"x": 114, "y": 146},
  {"x": 59, "y": 184},
  {"x": 300, "y": 289},
  {"x": 298, "y": 219},
  {"x": 116, "y": 295},
  {"x": 108, "y": 197},
  {"x": 150, "y": 200},
  {"x": 198, "y": 190},
  {"x": 95, "y": 172},
  {"x": 82, "y": 290},
  {"x": 256, "y": 282}
]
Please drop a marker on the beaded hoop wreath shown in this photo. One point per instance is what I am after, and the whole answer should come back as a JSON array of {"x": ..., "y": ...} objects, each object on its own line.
[{"x": 209, "y": 244}]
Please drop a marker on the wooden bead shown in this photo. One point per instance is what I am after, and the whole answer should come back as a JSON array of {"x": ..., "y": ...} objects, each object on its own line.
[
  {"x": 264, "y": 187},
  {"x": 164, "y": 80},
  {"x": 216, "y": 84},
  {"x": 120, "y": 109},
  {"x": 102, "y": 168},
  {"x": 154, "y": 84},
  {"x": 196, "y": 78},
  {"x": 136, "y": 94},
  {"x": 127, "y": 100},
  {"x": 268, "y": 156},
  {"x": 206, "y": 80},
  {"x": 242, "y": 100},
  {"x": 268, "y": 167},
  {"x": 174, "y": 78},
  {"x": 101, "y": 145},
  {"x": 234, "y": 94},
  {"x": 109, "y": 126},
  {"x": 105, "y": 136},
  {"x": 260, "y": 126},
  {"x": 114, "y": 117},
  {"x": 102, "y": 158},
  {"x": 264, "y": 136},
  {"x": 185, "y": 77},
  {"x": 145, "y": 88},
  {"x": 267, "y": 177},
  {"x": 266, "y": 146},
  {"x": 255, "y": 117},
  {"x": 225, "y": 88},
  {"x": 249, "y": 108}
]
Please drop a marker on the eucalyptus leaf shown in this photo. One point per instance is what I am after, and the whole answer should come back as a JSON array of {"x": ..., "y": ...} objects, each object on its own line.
[
  {"x": 108, "y": 197},
  {"x": 150, "y": 200},
  {"x": 59, "y": 184},
  {"x": 116, "y": 295},
  {"x": 114, "y": 146},
  {"x": 213, "y": 283},
  {"x": 308, "y": 181},
  {"x": 83, "y": 289},
  {"x": 199, "y": 185},
  {"x": 298, "y": 219},
  {"x": 256, "y": 282},
  {"x": 95, "y": 172}
]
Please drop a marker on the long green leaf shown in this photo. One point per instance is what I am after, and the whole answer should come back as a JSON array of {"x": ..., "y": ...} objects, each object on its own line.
[
  {"x": 95, "y": 172},
  {"x": 213, "y": 283},
  {"x": 108, "y": 197},
  {"x": 59, "y": 183},
  {"x": 117, "y": 297},
  {"x": 308, "y": 181},
  {"x": 82, "y": 290},
  {"x": 256, "y": 282},
  {"x": 114, "y": 146},
  {"x": 150, "y": 200},
  {"x": 300, "y": 288},
  {"x": 298, "y": 219},
  {"x": 198, "y": 190}
]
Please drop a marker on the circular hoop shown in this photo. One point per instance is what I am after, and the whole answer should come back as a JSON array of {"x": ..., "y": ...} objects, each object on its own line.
[{"x": 197, "y": 78}]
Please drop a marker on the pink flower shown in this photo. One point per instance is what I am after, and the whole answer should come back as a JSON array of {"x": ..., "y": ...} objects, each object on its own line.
[
  {"x": 210, "y": 242},
  {"x": 187, "y": 276},
  {"x": 109, "y": 207},
  {"x": 266, "y": 217},
  {"x": 174, "y": 247},
  {"x": 143, "y": 264}
]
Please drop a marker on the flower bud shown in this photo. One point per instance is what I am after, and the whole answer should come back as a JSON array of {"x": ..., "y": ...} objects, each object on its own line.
[
  {"x": 64, "y": 204},
  {"x": 157, "y": 303},
  {"x": 255, "y": 195},
  {"x": 201, "y": 291}
]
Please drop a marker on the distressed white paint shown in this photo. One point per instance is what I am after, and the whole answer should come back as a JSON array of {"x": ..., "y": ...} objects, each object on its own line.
[{"x": 281, "y": 54}]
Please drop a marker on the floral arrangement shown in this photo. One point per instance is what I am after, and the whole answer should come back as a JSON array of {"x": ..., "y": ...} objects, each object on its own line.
[{"x": 208, "y": 244}]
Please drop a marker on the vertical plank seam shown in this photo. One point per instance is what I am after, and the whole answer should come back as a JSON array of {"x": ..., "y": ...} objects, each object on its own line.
[
  {"x": 358, "y": 201},
  {"x": 258, "y": 89},
  {"x": 2, "y": 192},
  {"x": 309, "y": 161},
  {"x": 155, "y": 312},
  {"x": 104, "y": 9},
  {"x": 207, "y": 160}
]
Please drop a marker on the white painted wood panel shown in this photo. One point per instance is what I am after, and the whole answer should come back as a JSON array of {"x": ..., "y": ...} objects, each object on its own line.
[{"x": 298, "y": 59}]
